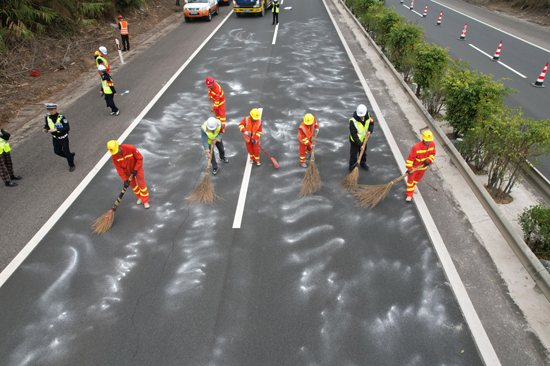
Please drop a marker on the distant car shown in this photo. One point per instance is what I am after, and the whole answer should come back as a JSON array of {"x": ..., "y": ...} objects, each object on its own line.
[{"x": 200, "y": 9}]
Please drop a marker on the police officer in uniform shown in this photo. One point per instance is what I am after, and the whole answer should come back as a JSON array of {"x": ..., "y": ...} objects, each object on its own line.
[
  {"x": 275, "y": 11},
  {"x": 58, "y": 126},
  {"x": 361, "y": 126}
]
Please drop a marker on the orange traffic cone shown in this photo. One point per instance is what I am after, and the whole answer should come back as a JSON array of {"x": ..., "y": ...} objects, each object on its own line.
[
  {"x": 463, "y": 34},
  {"x": 425, "y": 11},
  {"x": 439, "y": 20},
  {"x": 496, "y": 57},
  {"x": 540, "y": 80}
]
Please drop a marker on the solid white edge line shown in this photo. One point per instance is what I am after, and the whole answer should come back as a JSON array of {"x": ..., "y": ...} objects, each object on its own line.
[
  {"x": 481, "y": 339},
  {"x": 421, "y": 16},
  {"x": 502, "y": 63},
  {"x": 491, "y": 26},
  {"x": 408, "y": 7},
  {"x": 275, "y": 34},
  {"x": 244, "y": 190},
  {"x": 29, "y": 247}
]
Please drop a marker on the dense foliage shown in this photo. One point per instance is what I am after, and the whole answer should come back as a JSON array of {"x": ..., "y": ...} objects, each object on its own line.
[{"x": 535, "y": 222}]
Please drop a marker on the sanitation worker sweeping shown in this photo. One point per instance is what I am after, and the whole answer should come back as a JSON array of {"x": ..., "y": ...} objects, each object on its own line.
[
  {"x": 420, "y": 157},
  {"x": 361, "y": 125},
  {"x": 312, "y": 181},
  {"x": 105, "y": 222}
]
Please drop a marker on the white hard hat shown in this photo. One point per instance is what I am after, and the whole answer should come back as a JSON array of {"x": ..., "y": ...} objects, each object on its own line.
[
  {"x": 212, "y": 123},
  {"x": 101, "y": 68},
  {"x": 103, "y": 50},
  {"x": 361, "y": 110}
]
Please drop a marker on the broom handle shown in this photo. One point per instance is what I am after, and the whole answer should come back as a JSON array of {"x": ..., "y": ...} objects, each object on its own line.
[
  {"x": 363, "y": 150},
  {"x": 211, "y": 105},
  {"x": 209, "y": 160},
  {"x": 313, "y": 148},
  {"x": 404, "y": 175},
  {"x": 117, "y": 202}
]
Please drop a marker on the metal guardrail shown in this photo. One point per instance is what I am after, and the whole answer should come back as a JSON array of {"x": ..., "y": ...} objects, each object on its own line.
[
  {"x": 538, "y": 181},
  {"x": 529, "y": 261}
]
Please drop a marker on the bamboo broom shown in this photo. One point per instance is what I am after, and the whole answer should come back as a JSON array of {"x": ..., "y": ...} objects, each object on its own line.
[
  {"x": 104, "y": 223},
  {"x": 312, "y": 181},
  {"x": 204, "y": 192},
  {"x": 350, "y": 182},
  {"x": 369, "y": 196}
]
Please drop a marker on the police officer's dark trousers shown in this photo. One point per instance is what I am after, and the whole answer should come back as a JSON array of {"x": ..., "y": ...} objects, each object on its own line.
[
  {"x": 61, "y": 148},
  {"x": 275, "y": 18},
  {"x": 110, "y": 100}
]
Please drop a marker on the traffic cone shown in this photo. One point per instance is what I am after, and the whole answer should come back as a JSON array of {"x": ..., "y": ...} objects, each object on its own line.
[
  {"x": 439, "y": 20},
  {"x": 496, "y": 57},
  {"x": 412, "y": 5},
  {"x": 540, "y": 80},
  {"x": 425, "y": 11},
  {"x": 463, "y": 34},
  {"x": 401, "y": 1}
]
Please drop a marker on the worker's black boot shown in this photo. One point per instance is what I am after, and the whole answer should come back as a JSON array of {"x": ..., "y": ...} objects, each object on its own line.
[
  {"x": 15, "y": 177},
  {"x": 11, "y": 184}
]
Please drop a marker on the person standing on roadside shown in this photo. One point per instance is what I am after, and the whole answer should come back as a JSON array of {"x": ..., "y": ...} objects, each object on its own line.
[
  {"x": 6, "y": 165},
  {"x": 58, "y": 126},
  {"x": 211, "y": 135},
  {"x": 101, "y": 60},
  {"x": 275, "y": 11},
  {"x": 108, "y": 90},
  {"x": 123, "y": 26}
]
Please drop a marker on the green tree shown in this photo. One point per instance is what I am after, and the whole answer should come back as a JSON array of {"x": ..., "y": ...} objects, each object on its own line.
[
  {"x": 470, "y": 97},
  {"x": 385, "y": 24},
  {"x": 430, "y": 64},
  {"x": 509, "y": 142},
  {"x": 402, "y": 44},
  {"x": 23, "y": 18}
]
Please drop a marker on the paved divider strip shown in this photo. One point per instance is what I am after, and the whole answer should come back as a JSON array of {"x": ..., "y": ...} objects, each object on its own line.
[{"x": 531, "y": 263}]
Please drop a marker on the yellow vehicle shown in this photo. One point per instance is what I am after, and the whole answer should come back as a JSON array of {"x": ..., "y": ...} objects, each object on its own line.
[{"x": 251, "y": 7}]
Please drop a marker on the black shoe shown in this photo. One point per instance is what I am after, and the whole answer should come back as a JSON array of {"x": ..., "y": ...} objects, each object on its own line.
[
  {"x": 11, "y": 184},
  {"x": 224, "y": 160},
  {"x": 73, "y": 154},
  {"x": 215, "y": 171},
  {"x": 71, "y": 169},
  {"x": 365, "y": 166},
  {"x": 124, "y": 49},
  {"x": 15, "y": 177}
]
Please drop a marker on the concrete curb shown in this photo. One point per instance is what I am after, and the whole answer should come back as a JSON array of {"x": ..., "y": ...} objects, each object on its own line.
[{"x": 531, "y": 263}]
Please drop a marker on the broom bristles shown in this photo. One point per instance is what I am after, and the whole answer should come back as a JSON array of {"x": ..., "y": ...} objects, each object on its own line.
[
  {"x": 204, "y": 192},
  {"x": 369, "y": 196},
  {"x": 350, "y": 182},
  {"x": 104, "y": 223},
  {"x": 312, "y": 181}
]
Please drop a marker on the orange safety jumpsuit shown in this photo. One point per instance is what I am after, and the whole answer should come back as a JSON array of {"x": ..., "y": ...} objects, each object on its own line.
[
  {"x": 254, "y": 129},
  {"x": 419, "y": 154},
  {"x": 305, "y": 137},
  {"x": 131, "y": 159},
  {"x": 217, "y": 96}
]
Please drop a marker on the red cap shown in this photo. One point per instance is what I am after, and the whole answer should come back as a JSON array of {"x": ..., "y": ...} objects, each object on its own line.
[
  {"x": 209, "y": 81},
  {"x": 120, "y": 17}
]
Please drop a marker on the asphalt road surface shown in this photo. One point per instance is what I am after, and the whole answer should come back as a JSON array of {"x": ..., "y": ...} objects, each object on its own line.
[
  {"x": 525, "y": 50},
  {"x": 312, "y": 281}
]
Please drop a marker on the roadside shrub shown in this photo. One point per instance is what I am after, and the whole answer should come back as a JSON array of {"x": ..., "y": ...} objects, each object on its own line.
[
  {"x": 402, "y": 44},
  {"x": 470, "y": 97},
  {"x": 535, "y": 222},
  {"x": 430, "y": 64},
  {"x": 385, "y": 23}
]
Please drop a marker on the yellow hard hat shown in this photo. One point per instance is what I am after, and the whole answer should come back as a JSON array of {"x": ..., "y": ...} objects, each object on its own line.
[
  {"x": 255, "y": 113},
  {"x": 308, "y": 119},
  {"x": 428, "y": 136},
  {"x": 113, "y": 147}
]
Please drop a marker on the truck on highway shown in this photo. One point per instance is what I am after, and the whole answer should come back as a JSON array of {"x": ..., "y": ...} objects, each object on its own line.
[{"x": 258, "y": 7}]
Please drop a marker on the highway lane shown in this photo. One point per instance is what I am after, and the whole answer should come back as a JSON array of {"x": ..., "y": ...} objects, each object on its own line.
[
  {"x": 517, "y": 54},
  {"x": 311, "y": 281}
]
